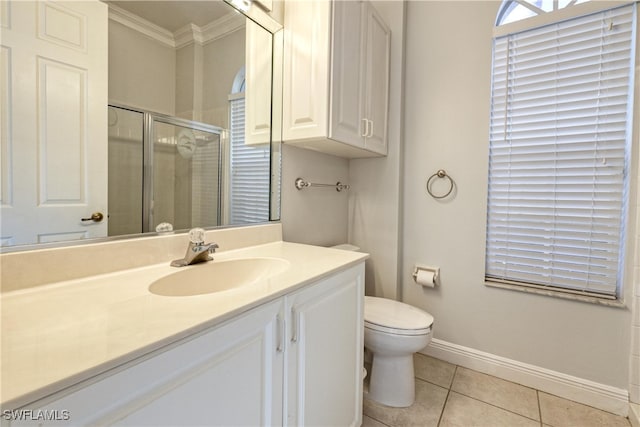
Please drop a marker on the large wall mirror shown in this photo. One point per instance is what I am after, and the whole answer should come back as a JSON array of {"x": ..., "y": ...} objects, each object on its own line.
[{"x": 128, "y": 117}]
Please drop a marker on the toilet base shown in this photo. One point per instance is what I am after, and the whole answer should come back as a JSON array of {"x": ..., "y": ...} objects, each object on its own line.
[{"x": 392, "y": 380}]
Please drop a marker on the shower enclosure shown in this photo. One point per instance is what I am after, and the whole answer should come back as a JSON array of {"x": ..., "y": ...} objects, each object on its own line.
[{"x": 162, "y": 169}]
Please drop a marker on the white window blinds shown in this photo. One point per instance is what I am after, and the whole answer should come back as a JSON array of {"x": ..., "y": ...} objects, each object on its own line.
[
  {"x": 559, "y": 142},
  {"x": 249, "y": 172}
]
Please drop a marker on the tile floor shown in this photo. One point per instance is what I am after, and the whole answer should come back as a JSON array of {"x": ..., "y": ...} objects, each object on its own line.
[{"x": 448, "y": 395}]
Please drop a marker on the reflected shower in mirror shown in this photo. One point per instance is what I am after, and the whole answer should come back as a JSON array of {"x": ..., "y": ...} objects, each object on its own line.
[{"x": 138, "y": 113}]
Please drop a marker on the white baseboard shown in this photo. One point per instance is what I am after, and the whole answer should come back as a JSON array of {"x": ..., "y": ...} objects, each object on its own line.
[
  {"x": 634, "y": 414},
  {"x": 579, "y": 390}
]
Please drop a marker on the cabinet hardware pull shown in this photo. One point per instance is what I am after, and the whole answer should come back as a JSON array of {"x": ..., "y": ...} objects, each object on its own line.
[
  {"x": 295, "y": 324},
  {"x": 280, "y": 333},
  {"x": 370, "y": 133},
  {"x": 365, "y": 128}
]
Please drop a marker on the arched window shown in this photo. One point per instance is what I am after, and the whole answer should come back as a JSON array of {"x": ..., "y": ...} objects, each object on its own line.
[
  {"x": 249, "y": 165},
  {"x": 517, "y": 10},
  {"x": 560, "y": 140}
]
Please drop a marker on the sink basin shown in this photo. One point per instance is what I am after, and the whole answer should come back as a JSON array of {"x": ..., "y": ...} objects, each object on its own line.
[{"x": 217, "y": 276}]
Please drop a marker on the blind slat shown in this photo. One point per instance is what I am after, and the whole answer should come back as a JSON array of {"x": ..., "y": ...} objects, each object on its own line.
[{"x": 558, "y": 153}]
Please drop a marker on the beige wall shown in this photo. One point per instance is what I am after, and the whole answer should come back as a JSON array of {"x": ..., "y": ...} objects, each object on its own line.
[
  {"x": 222, "y": 60},
  {"x": 376, "y": 195},
  {"x": 316, "y": 216},
  {"x": 141, "y": 71},
  {"x": 448, "y": 67}
]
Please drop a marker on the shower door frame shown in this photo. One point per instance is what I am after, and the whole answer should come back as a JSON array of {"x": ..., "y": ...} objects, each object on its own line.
[{"x": 149, "y": 118}]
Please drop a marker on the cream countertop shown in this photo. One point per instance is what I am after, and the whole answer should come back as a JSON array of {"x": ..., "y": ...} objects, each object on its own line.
[{"x": 56, "y": 335}]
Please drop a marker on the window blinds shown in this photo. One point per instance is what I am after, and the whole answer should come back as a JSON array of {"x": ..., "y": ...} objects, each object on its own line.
[
  {"x": 249, "y": 172},
  {"x": 559, "y": 142}
]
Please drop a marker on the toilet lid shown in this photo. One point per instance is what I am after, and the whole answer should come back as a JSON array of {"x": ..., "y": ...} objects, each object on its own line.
[{"x": 395, "y": 317}]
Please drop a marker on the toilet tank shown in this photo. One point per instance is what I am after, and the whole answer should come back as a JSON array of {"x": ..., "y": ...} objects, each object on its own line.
[{"x": 346, "y": 247}]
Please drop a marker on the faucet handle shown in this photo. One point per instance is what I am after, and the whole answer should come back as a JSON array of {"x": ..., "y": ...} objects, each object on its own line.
[
  {"x": 196, "y": 235},
  {"x": 213, "y": 247}
]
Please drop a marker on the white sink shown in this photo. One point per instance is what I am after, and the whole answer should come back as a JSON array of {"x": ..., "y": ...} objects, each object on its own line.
[{"x": 217, "y": 276}]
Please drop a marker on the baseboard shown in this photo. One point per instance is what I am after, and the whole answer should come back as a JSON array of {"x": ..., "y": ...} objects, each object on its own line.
[
  {"x": 579, "y": 390},
  {"x": 634, "y": 414}
]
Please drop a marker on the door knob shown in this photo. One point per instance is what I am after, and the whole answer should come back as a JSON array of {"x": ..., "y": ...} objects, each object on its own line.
[{"x": 95, "y": 217}]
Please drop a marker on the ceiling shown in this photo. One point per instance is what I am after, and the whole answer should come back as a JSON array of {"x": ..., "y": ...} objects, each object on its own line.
[{"x": 173, "y": 15}]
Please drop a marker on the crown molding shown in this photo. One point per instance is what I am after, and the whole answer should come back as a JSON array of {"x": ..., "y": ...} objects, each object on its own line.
[
  {"x": 141, "y": 25},
  {"x": 184, "y": 36}
]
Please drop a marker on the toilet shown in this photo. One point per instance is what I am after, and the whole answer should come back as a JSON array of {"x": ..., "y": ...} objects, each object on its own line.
[{"x": 393, "y": 331}]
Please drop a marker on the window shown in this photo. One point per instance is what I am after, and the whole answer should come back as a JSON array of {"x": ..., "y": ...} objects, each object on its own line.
[
  {"x": 559, "y": 153},
  {"x": 249, "y": 175}
]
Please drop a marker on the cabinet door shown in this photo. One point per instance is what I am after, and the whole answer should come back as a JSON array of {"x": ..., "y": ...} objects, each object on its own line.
[
  {"x": 258, "y": 84},
  {"x": 378, "y": 39},
  {"x": 347, "y": 119},
  {"x": 306, "y": 70},
  {"x": 324, "y": 355},
  {"x": 231, "y": 375}
]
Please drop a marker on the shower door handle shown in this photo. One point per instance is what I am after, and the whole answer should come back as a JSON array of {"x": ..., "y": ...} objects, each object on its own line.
[{"x": 95, "y": 217}]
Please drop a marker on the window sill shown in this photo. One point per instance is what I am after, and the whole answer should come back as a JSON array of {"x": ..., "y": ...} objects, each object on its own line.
[{"x": 617, "y": 303}]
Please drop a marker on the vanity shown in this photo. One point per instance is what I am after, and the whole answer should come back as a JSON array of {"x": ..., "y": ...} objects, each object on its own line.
[{"x": 268, "y": 333}]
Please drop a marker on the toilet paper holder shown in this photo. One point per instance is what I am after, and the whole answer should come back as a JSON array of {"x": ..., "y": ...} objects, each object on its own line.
[{"x": 432, "y": 270}]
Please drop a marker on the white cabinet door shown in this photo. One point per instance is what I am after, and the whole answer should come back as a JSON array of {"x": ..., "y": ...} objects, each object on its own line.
[
  {"x": 376, "y": 79},
  {"x": 258, "y": 84},
  {"x": 336, "y": 78},
  {"x": 306, "y": 70},
  {"x": 325, "y": 350},
  {"x": 348, "y": 123},
  {"x": 53, "y": 108},
  {"x": 231, "y": 375}
]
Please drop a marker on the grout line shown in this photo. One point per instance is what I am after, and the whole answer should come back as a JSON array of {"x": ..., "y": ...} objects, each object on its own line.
[
  {"x": 375, "y": 419},
  {"x": 497, "y": 407},
  {"x": 539, "y": 407},
  {"x": 446, "y": 400}
]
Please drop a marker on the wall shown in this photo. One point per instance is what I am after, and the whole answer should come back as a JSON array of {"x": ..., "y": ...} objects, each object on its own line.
[
  {"x": 141, "y": 70},
  {"x": 448, "y": 68},
  {"x": 316, "y": 216},
  {"x": 222, "y": 60},
  {"x": 376, "y": 194},
  {"x": 634, "y": 359}
]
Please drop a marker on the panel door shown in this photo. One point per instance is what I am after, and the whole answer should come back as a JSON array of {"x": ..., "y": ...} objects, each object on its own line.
[
  {"x": 53, "y": 167},
  {"x": 259, "y": 52},
  {"x": 377, "y": 80},
  {"x": 306, "y": 70},
  {"x": 324, "y": 357},
  {"x": 347, "y": 117}
]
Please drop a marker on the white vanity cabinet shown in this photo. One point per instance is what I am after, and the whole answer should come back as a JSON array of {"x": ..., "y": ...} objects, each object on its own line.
[
  {"x": 336, "y": 77},
  {"x": 296, "y": 360},
  {"x": 325, "y": 352},
  {"x": 229, "y": 375}
]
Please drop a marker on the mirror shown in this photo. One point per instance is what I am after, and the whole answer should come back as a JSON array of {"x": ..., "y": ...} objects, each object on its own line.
[{"x": 127, "y": 117}]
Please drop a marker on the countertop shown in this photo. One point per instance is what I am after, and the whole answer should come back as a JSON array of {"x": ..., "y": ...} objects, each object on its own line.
[{"x": 57, "y": 335}]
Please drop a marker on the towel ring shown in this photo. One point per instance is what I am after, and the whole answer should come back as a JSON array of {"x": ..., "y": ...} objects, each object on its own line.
[{"x": 440, "y": 174}]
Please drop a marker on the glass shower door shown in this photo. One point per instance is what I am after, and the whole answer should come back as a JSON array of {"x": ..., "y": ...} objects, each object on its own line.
[
  {"x": 125, "y": 176},
  {"x": 186, "y": 173}
]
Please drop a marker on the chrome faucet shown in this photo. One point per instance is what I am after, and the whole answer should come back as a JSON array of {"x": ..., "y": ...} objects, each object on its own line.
[{"x": 197, "y": 251}]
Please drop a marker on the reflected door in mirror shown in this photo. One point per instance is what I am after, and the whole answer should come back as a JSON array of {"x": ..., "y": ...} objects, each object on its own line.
[{"x": 53, "y": 169}]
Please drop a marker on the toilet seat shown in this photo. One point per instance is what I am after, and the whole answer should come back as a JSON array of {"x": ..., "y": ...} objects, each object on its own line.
[{"x": 394, "y": 317}]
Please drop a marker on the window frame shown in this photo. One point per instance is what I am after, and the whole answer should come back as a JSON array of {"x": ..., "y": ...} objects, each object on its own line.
[{"x": 575, "y": 11}]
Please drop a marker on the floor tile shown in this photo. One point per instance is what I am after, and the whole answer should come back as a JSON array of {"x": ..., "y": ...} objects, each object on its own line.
[
  {"x": 433, "y": 370},
  {"x": 504, "y": 394},
  {"x": 560, "y": 412},
  {"x": 463, "y": 411},
  {"x": 424, "y": 412},
  {"x": 370, "y": 422}
]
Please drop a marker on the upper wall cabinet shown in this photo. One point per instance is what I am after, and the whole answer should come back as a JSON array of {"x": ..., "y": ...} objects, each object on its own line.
[{"x": 336, "y": 78}]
